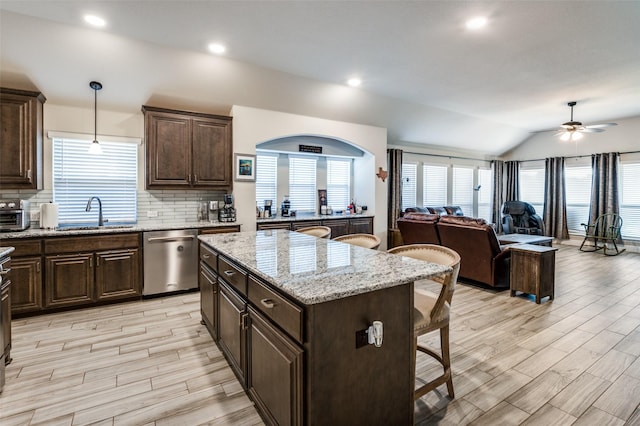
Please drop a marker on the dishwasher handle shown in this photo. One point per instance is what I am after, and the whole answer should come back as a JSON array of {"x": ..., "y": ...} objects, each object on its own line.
[{"x": 170, "y": 239}]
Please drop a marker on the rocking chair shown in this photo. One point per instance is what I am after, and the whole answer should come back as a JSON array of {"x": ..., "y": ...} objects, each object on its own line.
[{"x": 605, "y": 229}]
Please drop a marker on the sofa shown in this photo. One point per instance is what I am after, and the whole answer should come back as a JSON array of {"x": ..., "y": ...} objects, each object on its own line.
[{"x": 482, "y": 258}]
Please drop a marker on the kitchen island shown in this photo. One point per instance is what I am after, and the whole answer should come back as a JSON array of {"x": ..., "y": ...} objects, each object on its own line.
[{"x": 290, "y": 313}]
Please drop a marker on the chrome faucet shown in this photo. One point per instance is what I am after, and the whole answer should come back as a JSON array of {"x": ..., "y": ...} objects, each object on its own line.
[{"x": 88, "y": 209}]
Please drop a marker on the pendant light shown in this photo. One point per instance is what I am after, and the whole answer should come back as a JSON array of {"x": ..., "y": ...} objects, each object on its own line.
[{"x": 95, "y": 147}]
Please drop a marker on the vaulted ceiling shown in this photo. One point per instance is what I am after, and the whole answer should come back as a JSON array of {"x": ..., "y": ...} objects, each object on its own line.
[{"x": 425, "y": 76}]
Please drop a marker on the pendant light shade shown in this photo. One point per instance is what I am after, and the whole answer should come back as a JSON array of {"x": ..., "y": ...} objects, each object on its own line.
[{"x": 95, "y": 147}]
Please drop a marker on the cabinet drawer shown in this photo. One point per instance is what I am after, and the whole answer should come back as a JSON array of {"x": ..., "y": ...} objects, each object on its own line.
[
  {"x": 209, "y": 257},
  {"x": 25, "y": 248},
  {"x": 95, "y": 243},
  {"x": 233, "y": 275},
  {"x": 284, "y": 313}
]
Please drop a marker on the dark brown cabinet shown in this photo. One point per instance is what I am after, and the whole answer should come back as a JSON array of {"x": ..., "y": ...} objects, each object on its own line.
[
  {"x": 209, "y": 300},
  {"x": 5, "y": 301},
  {"x": 27, "y": 273},
  {"x": 187, "y": 150},
  {"x": 21, "y": 119},
  {"x": 86, "y": 270},
  {"x": 232, "y": 319},
  {"x": 361, "y": 225},
  {"x": 275, "y": 372},
  {"x": 339, "y": 226}
]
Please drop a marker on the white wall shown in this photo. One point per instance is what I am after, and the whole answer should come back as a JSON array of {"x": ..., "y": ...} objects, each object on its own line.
[{"x": 252, "y": 126}]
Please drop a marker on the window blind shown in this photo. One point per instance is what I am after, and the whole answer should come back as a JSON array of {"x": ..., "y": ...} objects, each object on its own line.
[
  {"x": 302, "y": 183},
  {"x": 578, "y": 193},
  {"x": 434, "y": 187},
  {"x": 409, "y": 185},
  {"x": 532, "y": 188},
  {"x": 338, "y": 182},
  {"x": 485, "y": 180},
  {"x": 266, "y": 179},
  {"x": 630, "y": 200},
  {"x": 462, "y": 189},
  {"x": 111, "y": 176}
]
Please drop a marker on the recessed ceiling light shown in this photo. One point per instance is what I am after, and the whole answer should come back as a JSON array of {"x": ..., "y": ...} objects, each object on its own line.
[
  {"x": 476, "y": 23},
  {"x": 94, "y": 20},
  {"x": 217, "y": 48},
  {"x": 354, "y": 82}
]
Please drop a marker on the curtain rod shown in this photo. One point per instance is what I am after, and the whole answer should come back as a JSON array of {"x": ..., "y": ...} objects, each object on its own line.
[
  {"x": 579, "y": 156},
  {"x": 443, "y": 156}
]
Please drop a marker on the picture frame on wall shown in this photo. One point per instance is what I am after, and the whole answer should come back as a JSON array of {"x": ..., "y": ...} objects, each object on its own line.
[{"x": 244, "y": 167}]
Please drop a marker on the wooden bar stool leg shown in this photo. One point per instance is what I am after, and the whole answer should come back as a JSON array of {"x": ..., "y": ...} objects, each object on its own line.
[{"x": 446, "y": 358}]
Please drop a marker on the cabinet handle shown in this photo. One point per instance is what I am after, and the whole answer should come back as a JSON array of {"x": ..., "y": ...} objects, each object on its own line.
[
  {"x": 195, "y": 178},
  {"x": 229, "y": 273},
  {"x": 205, "y": 256},
  {"x": 91, "y": 262},
  {"x": 38, "y": 266},
  {"x": 244, "y": 323},
  {"x": 268, "y": 303},
  {"x": 4, "y": 271},
  {"x": 97, "y": 262}
]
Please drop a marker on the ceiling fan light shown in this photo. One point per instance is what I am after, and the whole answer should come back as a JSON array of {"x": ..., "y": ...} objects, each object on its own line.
[
  {"x": 565, "y": 136},
  {"x": 576, "y": 136}
]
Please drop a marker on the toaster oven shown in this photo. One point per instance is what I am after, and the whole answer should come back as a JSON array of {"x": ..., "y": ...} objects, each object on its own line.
[{"x": 14, "y": 215}]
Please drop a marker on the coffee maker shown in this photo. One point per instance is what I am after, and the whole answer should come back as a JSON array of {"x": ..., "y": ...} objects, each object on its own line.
[
  {"x": 267, "y": 208},
  {"x": 227, "y": 213},
  {"x": 213, "y": 210},
  {"x": 285, "y": 209}
]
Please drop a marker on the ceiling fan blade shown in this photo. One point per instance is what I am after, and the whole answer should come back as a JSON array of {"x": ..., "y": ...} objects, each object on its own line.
[
  {"x": 601, "y": 125},
  {"x": 590, "y": 130}
]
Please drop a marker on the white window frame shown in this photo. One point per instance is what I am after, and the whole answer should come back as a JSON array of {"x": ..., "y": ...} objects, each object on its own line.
[
  {"x": 409, "y": 185},
  {"x": 630, "y": 198},
  {"x": 303, "y": 172},
  {"x": 531, "y": 179},
  {"x": 266, "y": 179},
  {"x": 577, "y": 175},
  {"x": 338, "y": 181}
]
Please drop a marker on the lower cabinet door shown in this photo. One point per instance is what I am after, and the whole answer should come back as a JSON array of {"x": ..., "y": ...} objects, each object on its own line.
[
  {"x": 208, "y": 300},
  {"x": 69, "y": 280},
  {"x": 26, "y": 291},
  {"x": 118, "y": 274},
  {"x": 275, "y": 372},
  {"x": 232, "y": 330}
]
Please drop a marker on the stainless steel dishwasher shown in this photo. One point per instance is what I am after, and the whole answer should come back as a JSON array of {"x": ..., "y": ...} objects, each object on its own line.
[{"x": 170, "y": 261}]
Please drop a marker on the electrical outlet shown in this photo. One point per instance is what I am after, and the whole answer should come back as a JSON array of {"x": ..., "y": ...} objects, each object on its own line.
[
  {"x": 34, "y": 216},
  {"x": 152, "y": 213}
]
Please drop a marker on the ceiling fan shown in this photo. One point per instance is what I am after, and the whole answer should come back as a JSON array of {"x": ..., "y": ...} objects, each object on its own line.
[{"x": 573, "y": 130}]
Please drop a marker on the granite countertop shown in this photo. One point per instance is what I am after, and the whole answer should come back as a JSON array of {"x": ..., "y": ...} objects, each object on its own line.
[
  {"x": 111, "y": 229},
  {"x": 311, "y": 216},
  {"x": 4, "y": 251},
  {"x": 315, "y": 270}
]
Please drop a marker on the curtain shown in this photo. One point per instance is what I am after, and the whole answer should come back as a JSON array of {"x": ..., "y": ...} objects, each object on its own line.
[
  {"x": 604, "y": 186},
  {"x": 395, "y": 192},
  {"x": 512, "y": 187},
  {"x": 497, "y": 167},
  {"x": 555, "y": 202}
]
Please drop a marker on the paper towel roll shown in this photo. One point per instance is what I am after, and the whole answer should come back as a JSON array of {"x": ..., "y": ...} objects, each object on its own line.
[{"x": 49, "y": 215}]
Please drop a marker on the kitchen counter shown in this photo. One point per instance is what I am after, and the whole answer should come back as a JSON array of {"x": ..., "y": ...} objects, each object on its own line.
[
  {"x": 112, "y": 229},
  {"x": 314, "y": 270},
  {"x": 311, "y": 216}
]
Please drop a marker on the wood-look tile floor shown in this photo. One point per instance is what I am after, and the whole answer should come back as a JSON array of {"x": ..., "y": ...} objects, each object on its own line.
[{"x": 574, "y": 360}]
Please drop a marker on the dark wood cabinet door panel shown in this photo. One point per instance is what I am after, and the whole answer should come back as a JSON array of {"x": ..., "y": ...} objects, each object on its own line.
[
  {"x": 168, "y": 150},
  {"x": 26, "y": 292},
  {"x": 69, "y": 280},
  {"x": 338, "y": 226},
  {"x": 21, "y": 148},
  {"x": 362, "y": 225},
  {"x": 231, "y": 329},
  {"x": 279, "y": 225},
  {"x": 118, "y": 274},
  {"x": 209, "y": 299},
  {"x": 275, "y": 372},
  {"x": 211, "y": 152}
]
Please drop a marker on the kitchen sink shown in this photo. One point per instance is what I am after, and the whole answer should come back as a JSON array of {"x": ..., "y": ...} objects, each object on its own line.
[{"x": 91, "y": 228}]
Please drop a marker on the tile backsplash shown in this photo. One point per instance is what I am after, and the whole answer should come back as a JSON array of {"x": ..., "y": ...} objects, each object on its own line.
[{"x": 171, "y": 206}]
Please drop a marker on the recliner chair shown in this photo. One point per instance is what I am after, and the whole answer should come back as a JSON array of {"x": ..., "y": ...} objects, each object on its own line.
[{"x": 519, "y": 217}]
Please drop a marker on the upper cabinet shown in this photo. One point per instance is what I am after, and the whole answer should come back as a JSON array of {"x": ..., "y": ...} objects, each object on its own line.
[
  {"x": 187, "y": 150},
  {"x": 21, "y": 144}
]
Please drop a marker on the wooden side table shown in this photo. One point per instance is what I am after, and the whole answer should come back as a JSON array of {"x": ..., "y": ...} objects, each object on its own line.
[{"x": 533, "y": 270}]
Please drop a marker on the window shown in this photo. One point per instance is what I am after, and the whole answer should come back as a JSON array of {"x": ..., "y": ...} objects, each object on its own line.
[
  {"x": 462, "y": 189},
  {"x": 578, "y": 193},
  {"x": 266, "y": 178},
  {"x": 434, "y": 185},
  {"x": 338, "y": 182},
  {"x": 485, "y": 180},
  {"x": 111, "y": 176},
  {"x": 409, "y": 185},
  {"x": 302, "y": 183},
  {"x": 630, "y": 200},
  {"x": 531, "y": 178}
]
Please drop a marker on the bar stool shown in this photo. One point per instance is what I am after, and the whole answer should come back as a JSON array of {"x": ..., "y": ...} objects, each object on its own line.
[
  {"x": 363, "y": 240},
  {"x": 431, "y": 311},
  {"x": 316, "y": 231}
]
